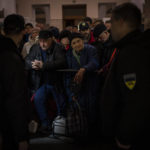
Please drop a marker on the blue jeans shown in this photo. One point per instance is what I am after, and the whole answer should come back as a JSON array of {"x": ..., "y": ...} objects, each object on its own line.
[{"x": 40, "y": 98}]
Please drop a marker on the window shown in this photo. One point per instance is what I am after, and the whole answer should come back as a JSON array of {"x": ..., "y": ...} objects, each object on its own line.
[{"x": 41, "y": 13}]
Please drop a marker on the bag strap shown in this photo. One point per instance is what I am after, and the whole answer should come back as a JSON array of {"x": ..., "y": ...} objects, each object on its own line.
[
  {"x": 112, "y": 57},
  {"x": 107, "y": 66},
  {"x": 76, "y": 102}
]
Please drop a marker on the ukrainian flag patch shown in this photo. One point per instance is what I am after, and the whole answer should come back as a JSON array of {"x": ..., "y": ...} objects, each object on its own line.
[{"x": 130, "y": 80}]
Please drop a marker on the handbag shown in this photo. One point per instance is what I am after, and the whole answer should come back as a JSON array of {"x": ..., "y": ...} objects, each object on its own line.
[
  {"x": 76, "y": 120},
  {"x": 75, "y": 88},
  {"x": 59, "y": 127}
]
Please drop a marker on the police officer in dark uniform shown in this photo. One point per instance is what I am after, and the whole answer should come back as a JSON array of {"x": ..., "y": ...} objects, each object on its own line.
[
  {"x": 126, "y": 95},
  {"x": 14, "y": 106}
]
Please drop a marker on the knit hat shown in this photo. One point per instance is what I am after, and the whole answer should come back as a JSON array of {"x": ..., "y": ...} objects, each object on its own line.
[
  {"x": 98, "y": 30},
  {"x": 65, "y": 33},
  {"x": 36, "y": 29},
  {"x": 76, "y": 35},
  {"x": 55, "y": 32},
  {"x": 45, "y": 34}
]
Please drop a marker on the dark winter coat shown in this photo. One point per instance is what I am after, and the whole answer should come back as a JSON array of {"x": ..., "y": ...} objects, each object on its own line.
[
  {"x": 126, "y": 96},
  {"x": 55, "y": 59},
  {"x": 13, "y": 94}
]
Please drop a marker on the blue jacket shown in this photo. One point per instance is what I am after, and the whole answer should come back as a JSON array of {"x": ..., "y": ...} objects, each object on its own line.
[{"x": 88, "y": 59}]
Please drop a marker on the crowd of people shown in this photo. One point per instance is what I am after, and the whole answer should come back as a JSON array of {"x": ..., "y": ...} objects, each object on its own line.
[{"x": 105, "y": 67}]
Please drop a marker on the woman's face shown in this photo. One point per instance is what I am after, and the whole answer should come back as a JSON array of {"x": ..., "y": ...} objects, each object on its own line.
[{"x": 77, "y": 44}]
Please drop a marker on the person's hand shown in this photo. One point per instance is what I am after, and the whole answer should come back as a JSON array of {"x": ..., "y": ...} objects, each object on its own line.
[
  {"x": 73, "y": 98},
  {"x": 100, "y": 71},
  {"x": 37, "y": 65},
  {"x": 125, "y": 147},
  {"x": 33, "y": 125},
  {"x": 79, "y": 75},
  {"x": 23, "y": 145}
]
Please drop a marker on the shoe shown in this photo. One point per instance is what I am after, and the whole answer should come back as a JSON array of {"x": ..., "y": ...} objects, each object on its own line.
[
  {"x": 59, "y": 117},
  {"x": 44, "y": 130}
]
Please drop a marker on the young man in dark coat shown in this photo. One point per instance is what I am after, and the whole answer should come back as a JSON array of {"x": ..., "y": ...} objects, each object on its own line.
[
  {"x": 13, "y": 90},
  {"x": 125, "y": 104}
]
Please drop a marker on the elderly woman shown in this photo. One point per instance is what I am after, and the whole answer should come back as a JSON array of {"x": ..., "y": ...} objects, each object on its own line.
[
  {"x": 33, "y": 38},
  {"x": 83, "y": 58}
]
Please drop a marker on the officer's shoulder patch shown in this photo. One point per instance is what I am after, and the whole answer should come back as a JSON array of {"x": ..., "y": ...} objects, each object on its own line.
[{"x": 130, "y": 80}]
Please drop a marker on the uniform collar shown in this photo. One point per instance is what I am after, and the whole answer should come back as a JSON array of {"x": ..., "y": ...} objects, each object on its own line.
[
  {"x": 129, "y": 38},
  {"x": 9, "y": 45}
]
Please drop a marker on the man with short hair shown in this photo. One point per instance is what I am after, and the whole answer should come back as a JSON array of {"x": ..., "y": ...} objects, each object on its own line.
[
  {"x": 125, "y": 101},
  {"x": 42, "y": 62},
  {"x": 28, "y": 30},
  {"x": 14, "y": 106},
  {"x": 75, "y": 28}
]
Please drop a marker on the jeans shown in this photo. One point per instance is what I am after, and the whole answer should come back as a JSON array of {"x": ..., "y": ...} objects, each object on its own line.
[{"x": 40, "y": 98}]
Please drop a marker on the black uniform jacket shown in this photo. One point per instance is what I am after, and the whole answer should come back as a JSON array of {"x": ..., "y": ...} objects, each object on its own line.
[
  {"x": 13, "y": 92},
  {"x": 126, "y": 95}
]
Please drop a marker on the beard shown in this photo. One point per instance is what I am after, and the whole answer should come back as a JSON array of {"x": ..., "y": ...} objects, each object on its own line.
[{"x": 86, "y": 38}]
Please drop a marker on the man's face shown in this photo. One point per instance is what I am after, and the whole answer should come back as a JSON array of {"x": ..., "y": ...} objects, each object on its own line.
[
  {"x": 45, "y": 43},
  {"x": 85, "y": 33},
  {"x": 28, "y": 29},
  {"x": 116, "y": 29},
  {"x": 75, "y": 29},
  {"x": 103, "y": 37},
  {"x": 77, "y": 44},
  {"x": 88, "y": 22}
]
